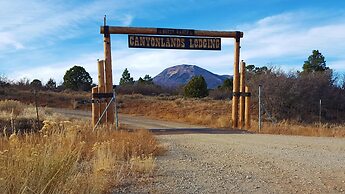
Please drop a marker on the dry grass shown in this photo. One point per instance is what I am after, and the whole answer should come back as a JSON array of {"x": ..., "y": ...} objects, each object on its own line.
[
  {"x": 288, "y": 128},
  {"x": 67, "y": 157},
  {"x": 214, "y": 113},
  {"x": 11, "y": 107},
  {"x": 64, "y": 99}
]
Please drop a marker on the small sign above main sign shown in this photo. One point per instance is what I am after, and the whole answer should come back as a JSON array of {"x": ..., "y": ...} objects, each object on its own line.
[
  {"x": 179, "y": 32},
  {"x": 165, "y": 42}
]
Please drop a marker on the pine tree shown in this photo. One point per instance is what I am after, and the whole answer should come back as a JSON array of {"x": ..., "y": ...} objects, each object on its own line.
[
  {"x": 196, "y": 88},
  {"x": 126, "y": 78},
  {"x": 316, "y": 62},
  {"x": 51, "y": 84}
]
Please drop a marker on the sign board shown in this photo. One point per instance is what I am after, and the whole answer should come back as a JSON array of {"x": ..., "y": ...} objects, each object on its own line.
[
  {"x": 166, "y": 42},
  {"x": 179, "y": 32}
]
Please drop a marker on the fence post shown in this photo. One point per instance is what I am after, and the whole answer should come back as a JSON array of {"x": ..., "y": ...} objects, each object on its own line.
[
  {"x": 242, "y": 96},
  {"x": 116, "y": 112},
  {"x": 259, "y": 108},
  {"x": 101, "y": 88},
  {"x": 236, "y": 83},
  {"x": 320, "y": 109},
  {"x": 95, "y": 107},
  {"x": 247, "y": 108},
  {"x": 36, "y": 106},
  {"x": 108, "y": 75}
]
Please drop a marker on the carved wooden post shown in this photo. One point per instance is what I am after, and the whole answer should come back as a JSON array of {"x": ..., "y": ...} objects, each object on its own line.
[
  {"x": 95, "y": 107},
  {"x": 242, "y": 88},
  {"x": 247, "y": 108},
  {"x": 108, "y": 75},
  {"x": 236, "y": 81}
]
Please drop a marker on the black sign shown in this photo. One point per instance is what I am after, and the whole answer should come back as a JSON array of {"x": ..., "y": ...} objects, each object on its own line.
[
  {"x": 180, "y": 32},
  {"x": 165, "y": 42}
]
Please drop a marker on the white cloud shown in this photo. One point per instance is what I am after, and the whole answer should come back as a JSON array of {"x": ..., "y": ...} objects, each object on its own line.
[
  {"x": 292, "y": 35},
  {"x": 40, "y": 22},
  {"x": 8, "y": 41},
  {"x": 58, "y": 70},
  {"x": 126, "y": 19},
  {"x": 283, "y": 39},
  {"x": 339, "y": 65}
]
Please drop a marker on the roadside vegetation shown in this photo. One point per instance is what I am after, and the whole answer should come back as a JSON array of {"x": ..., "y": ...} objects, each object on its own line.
[
  {"x": 217, "y": 114},
  {"x": 65, "y": 156},
  {"x": 290, "y": 100}
]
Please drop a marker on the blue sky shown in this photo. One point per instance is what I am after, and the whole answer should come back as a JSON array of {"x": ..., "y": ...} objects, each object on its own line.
[{"x": 41, "y": 39}]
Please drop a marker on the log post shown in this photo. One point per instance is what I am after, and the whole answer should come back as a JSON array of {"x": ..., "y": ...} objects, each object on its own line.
[
  {"x": 108, "y": 76},
  {"x": 247, "y": 108},
  {"x": 101, "y": 88},
  {"x": 95, "y": 107},
  {"x": 242, "y": 89},
  {"x": 236, "y": 82}
]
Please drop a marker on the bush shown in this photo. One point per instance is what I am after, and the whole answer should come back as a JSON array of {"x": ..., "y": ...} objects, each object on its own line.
[
  {"x": 296, "y": 96},
  {"x": 220, "y": 94},
  {"x": 51, "y": 84},
  {"x": 36, "y": 83},
  {"x": 77, "y": 78},
  {"x": 196, "y": 88}
]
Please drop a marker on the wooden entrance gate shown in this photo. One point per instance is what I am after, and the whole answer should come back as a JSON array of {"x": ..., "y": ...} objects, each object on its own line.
[{"x": 165, "y": 38}]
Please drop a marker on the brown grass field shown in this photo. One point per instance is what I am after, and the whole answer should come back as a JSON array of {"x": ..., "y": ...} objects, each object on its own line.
[
  {"x": 207, "y": 112},
  {"x": 64, "y": 156},
  {"x": 215, "y": 113},
  {"x": 67, "y": 157}
]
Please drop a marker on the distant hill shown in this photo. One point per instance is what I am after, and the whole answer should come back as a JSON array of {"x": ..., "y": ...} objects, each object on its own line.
[{"x": 180, "y": 75}]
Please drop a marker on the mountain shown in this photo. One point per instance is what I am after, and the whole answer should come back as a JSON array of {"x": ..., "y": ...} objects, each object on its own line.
[{"x": 180, "y": 75}]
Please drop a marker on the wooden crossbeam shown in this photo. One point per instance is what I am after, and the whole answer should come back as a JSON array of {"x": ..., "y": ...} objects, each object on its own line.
[{"x": 169, "y": 31}]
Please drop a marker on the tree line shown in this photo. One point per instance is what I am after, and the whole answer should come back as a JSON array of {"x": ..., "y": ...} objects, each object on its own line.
[{"x": 286, "y": 95}]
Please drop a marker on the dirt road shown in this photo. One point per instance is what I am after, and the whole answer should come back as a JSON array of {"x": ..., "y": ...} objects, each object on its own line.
[
  {"x": 133, "y": 121},
  {"x": 246, "y": 163},
  {"x": 217, "y": 161}
]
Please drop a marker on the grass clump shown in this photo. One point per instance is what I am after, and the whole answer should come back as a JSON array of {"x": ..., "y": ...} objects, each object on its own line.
[
  {"x": 13, "y": 107},
  {"x": 67, "y": 157}
]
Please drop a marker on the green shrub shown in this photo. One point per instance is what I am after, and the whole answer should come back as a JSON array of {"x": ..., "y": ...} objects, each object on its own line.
[{"x": 196, "y": 88}]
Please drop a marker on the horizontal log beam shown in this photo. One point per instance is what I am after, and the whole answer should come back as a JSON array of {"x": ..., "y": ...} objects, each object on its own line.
[{"x": 168, "y": 31}]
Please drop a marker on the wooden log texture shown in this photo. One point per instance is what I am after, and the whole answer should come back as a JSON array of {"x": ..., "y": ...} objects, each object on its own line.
[
  {"x": 101, "y": 88},
  {"x": 101, "y": 79},
  {"x": 154, "y": 31},
  {"x": 242, "y": 89},
  {"x": 94, "y": 108},
  {"x": 247, "y": 109},
  {"x": 108, "y": 77},
  {"x": 236, "y": 83}
]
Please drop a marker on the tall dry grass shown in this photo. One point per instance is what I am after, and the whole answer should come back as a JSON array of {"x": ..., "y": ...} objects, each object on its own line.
[
  {"x": 11, "y": 108},
  {"x": 67, "y": 157}
]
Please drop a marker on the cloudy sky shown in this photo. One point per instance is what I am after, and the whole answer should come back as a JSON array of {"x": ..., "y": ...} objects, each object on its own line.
[{"x": 41, "y": 39}]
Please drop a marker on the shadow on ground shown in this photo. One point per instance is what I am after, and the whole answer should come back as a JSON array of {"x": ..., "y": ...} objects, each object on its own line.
[{"x": 198, "y": 131}]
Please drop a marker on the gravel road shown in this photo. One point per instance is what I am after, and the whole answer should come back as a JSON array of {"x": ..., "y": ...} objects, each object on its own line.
[
  {"x": 248, "y": 163},
  {"x": 202, "y": 160},
  {"x": 133, "y": 121}
]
